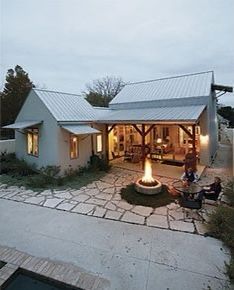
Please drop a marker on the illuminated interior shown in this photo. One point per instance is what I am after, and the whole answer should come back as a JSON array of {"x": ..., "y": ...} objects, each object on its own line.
[
  {"x": 73, "y": 147},
  {"x": 32, "y": 142},
  {"x": 99, "y": 143},
  {"x": 173, "y": 142}
]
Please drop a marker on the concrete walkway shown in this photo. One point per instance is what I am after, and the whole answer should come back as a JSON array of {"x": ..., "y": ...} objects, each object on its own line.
[
  {"x": 57, "y": 225},
  {"x": 132, "y": 257}
]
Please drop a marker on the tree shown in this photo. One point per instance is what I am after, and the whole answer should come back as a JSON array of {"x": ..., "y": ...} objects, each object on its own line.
[
  {"x": 101, "y": 91},
  {"x": 227, "y": 113},
  {"x": 16, "y": 89}
]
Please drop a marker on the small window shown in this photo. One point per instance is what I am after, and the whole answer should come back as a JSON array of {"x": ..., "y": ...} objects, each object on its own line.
[
  {"x": 99, "y": 143},
  {"x": 73, "y": 147},
  {"x": 32, "y": 142}
]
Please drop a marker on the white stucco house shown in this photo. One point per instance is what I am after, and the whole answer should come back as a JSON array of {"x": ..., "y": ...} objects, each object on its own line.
[{"x": 174, "y": 114}]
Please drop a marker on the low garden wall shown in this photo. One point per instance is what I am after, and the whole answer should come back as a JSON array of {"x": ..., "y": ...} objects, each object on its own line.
[{"x": 7, "y": 146}]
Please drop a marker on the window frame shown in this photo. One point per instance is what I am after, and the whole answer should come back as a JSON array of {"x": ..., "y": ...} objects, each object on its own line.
[
  {"x": 71, "y": 146},
  {"x": 33, "y": 132},
  {"x": 99, "y": 151}
]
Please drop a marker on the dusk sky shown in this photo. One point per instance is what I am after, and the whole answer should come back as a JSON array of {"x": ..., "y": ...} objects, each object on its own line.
[{"x": 64, "y": 44}]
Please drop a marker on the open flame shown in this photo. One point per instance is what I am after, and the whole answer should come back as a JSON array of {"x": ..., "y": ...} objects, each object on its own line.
[{"x": 148, "y": 178}]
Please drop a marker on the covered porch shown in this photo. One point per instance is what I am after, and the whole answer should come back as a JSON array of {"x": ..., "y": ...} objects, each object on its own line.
[
  {"x": 166, "y": 135},
  {"x": 158, "y": 169}
]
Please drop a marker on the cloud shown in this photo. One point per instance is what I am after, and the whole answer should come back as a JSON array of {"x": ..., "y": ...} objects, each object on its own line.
[{"x": 67, "y": 43}]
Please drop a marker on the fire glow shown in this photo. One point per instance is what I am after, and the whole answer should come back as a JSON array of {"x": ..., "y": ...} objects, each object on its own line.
[
  {"x": 148, "y": 178},
  {"x": 147, "y": 184}
]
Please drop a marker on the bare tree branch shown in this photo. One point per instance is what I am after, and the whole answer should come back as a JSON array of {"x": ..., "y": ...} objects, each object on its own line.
[{"x": 101, "y": 91}]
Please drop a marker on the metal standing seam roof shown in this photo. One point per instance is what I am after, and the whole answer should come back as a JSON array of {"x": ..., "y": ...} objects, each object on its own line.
[
  {"x": 166, "y": 114},
  {"x": 185, "y": 86},
  {"x": 67, "y": 107},
  {"x": 80, "y": 129},
  {"x": 22, "y": 125}
]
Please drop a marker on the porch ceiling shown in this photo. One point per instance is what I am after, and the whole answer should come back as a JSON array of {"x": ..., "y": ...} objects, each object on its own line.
[{"x": 165, "y": 115}]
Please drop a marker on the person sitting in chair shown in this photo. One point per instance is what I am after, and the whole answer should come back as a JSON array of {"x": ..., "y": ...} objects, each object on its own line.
[
  {"x": 212, "y": 191},
  {"x": 189, "y": 176}
]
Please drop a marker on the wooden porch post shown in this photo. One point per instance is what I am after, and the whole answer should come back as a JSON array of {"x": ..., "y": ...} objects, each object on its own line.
[
  {"x": 143, "y": 145},
  {"x": 107, "y": 142},
  {"x": 194, "y": 138}
]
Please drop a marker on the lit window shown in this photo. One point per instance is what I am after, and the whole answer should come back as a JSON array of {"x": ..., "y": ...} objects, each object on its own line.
[
  {"x": 73, "y": 147},
  {"x": 99, "y": 143},
  {"x": 32, "y": 141}
]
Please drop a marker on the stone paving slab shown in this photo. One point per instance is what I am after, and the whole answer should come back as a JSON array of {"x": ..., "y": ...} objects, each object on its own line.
[
  {"x": 142, "y": 210},
  {"x": 66, "y": 206},
  {"x": 53, "y": 202},
  {"x": 113, "y": 215},
  {"x": 133, "y": 218},
  {"x": 158, "y": 221},
  {"x": 83, "y": 208},
  {"x": 182, "y": 226}
]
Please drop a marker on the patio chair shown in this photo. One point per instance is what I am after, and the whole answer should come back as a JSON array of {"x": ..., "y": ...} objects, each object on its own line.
[
  {"x": 114, "y": 156},
  {"x": 190, "y": 203},
  {"x": 128, "y": 156}
]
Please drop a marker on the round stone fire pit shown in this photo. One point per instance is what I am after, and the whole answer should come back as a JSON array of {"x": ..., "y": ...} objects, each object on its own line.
[
  {"x": 147, "y": 184},
  {"x": 148, "y": 188}
]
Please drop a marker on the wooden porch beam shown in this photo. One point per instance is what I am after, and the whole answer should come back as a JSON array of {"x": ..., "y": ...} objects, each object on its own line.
[
  {"x": 150, "y": 128},
  {"x": 138, "y": 130},
  {"x": 186, "y": 131},
  {"x": 111, "y": 128}
]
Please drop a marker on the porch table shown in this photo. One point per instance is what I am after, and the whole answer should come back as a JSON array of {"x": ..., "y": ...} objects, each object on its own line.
[
  {"x": 187, "y": 193},
  {"x": 192, "y": 188}
]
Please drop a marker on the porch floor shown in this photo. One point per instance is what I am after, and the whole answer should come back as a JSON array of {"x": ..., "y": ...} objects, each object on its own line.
[{"x": 158, "y": 168}]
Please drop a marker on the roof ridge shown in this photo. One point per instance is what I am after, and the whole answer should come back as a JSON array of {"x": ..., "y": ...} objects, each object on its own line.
[
  {"x": 45, "y": 90},
  {"x": 166, "y": 78},
  {"x": 164, "y": 106}
]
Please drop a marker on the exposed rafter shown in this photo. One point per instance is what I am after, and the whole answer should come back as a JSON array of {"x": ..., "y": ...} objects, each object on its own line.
[
  {"x": 186, "y": 131},
  {"x": 111, "y": 128},
  {"x": 138, "y": 130}
]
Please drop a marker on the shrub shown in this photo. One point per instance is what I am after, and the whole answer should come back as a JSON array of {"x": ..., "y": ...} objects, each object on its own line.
[
  {"x": 229, "y": 191},
  {"x": 13, "y": 166},
  {"x": 47, "y": 176},
  {"x": 71, "y": 172},
  {"x": 97, "y": 163},
  {"x": 221, "y": 227},
  {"x": 221, "y": 224},
  {"x": 230, "y": 268},
  {"x": 37, "y": 181},
  {"x": 51, "y": 171}
]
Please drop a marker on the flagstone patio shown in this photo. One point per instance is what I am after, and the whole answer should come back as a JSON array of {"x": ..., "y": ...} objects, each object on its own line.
[{"x": 102, "y": 199}]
